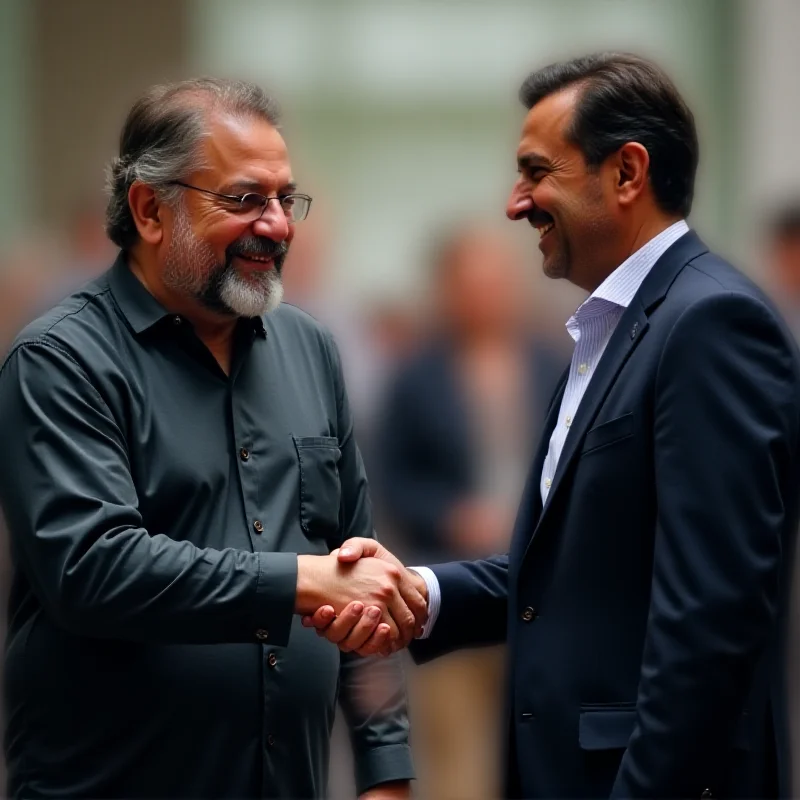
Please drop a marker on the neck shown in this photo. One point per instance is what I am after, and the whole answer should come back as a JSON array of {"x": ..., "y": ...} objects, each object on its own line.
[
  {"x": 630, "y": 241},
  {"x": 215, "y": 330},
  {"x": 647, "y": 231}
]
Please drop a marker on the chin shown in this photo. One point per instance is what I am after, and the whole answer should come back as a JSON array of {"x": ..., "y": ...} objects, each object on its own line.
[{"x": 555, "y": 270}]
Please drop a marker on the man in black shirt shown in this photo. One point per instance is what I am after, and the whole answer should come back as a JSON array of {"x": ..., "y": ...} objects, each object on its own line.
[{"x": 178, "y": 464}]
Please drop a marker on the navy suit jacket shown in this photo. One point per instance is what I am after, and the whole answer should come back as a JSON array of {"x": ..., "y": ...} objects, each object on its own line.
[{"x": 644, "y": 605}]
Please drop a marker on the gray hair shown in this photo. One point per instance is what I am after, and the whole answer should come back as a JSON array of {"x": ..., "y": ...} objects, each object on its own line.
[{"x": 160, "y": 141}]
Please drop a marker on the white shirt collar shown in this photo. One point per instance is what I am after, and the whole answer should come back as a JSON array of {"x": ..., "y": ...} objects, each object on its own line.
[{"x": 621, "y": 285}]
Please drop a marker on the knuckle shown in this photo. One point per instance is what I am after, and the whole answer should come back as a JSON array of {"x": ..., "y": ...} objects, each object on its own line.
[{"x": 385, "y": 591}]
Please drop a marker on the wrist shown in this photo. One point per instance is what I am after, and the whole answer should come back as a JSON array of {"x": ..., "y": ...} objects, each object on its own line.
[
  {"x": 418, "y": 582},
  {"x": 308, "y": 597}
]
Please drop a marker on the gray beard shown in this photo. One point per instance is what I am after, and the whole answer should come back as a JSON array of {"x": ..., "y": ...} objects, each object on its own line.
[{"x": 191, "y": 268}]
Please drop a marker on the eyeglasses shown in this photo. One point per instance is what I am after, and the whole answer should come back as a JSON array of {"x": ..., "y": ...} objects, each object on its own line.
[{"x": 250, "y": 207}]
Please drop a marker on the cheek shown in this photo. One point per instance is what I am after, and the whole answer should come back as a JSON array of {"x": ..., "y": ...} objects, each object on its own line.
[
  {"x": 221, "y": 234},
  {"x": 547, "y": 197}
]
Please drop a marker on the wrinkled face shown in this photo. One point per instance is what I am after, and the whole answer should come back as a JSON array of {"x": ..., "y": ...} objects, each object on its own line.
[
  {"x": 229, "y": 264},
  {"x": 559, "y": 195}
]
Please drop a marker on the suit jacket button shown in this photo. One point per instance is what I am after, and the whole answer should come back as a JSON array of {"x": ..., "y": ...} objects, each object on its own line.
[
  {"x": 528, "y": 614},
  {"x": 707, "y": 793}
]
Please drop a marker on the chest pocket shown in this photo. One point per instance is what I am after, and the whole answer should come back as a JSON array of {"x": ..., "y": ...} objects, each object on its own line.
[{"x": 320, "y": 486}]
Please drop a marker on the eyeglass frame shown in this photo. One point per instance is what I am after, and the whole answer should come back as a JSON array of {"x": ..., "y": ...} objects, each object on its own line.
[{"x": 239, "y": 198}]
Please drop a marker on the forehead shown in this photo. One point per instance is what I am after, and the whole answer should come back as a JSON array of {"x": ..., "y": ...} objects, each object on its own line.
[
  {"x": 246, "y": 149},
  {"x": 544, "y": 126}
]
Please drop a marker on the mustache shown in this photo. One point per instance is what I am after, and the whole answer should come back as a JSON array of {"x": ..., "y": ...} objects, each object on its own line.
[{"x": 257, "y": 246}]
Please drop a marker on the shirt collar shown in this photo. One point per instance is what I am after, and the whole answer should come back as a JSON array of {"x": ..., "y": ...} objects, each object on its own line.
[
  {"x": 141, "y": 310},
  {"x": 621, "y": 285}
]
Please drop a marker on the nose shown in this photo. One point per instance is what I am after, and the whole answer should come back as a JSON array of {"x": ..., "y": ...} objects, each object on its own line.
[
  {"x": 272, "y": 223},
  {"x": 519, "y": 203}
]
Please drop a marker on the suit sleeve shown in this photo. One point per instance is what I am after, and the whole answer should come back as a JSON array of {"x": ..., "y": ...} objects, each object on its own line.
[
  {"x": 78, "y": 537},
  {"x": 725, "y": 443},
  {"x": 372, "y": 691},
  {"x": 473, "y": 610}
]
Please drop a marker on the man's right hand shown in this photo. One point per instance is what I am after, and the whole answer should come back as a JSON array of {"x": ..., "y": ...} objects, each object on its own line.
[
  {"x": 374, "y": 598},
  {"x": 356, "y": 627}
]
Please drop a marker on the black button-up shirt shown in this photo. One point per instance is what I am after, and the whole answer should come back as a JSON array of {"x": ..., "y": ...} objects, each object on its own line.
[{"x": 156, "y": 508}]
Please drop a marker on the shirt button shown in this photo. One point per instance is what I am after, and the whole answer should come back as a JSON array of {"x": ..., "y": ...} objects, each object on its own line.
[
  {"x": 528, "y": 614},
  {"x": 176, "y": 320},
  {"x": 583, "y": 369},
  {"x": 568, "y": 421},
  {"x": 272, "y": 660},
  {"x": 547, "y": 483},
  {"x": 262, "y": 634},
  {"x": 258, "y": 525},
  {"x": 271, "y": 740},
  {"x": 244, "y": 454}
]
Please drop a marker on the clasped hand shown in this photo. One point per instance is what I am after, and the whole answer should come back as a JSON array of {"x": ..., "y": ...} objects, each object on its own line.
[{"x": 368, "y": 603}]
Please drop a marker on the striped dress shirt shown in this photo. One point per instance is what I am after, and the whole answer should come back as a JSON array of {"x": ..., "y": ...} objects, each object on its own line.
[{"x": 591, "y": 327}]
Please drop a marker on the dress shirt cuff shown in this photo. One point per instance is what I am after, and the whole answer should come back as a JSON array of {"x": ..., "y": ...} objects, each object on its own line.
[
  {"x": 434, "y": 598},
  {"x": 389, "y": 762},
  {"x": 276, "y": 593}
]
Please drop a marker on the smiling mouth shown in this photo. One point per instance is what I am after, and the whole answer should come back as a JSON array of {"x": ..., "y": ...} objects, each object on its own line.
[
  {"x": 265, "y": 260},
  {"x": 545, "y": 229}
]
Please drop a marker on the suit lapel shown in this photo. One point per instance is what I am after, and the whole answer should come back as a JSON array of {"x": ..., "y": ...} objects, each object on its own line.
[
  {"x": 531, "y": 503},
  {"x": 629, "y": 332}
]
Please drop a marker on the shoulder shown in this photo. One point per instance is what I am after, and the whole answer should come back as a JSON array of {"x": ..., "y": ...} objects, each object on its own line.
[
  {"x": 711, "y": 291},
  {"x": 73, "y": 325},
  {"x": 289, "y": 323},
  {"x": 715, "y": 315}
]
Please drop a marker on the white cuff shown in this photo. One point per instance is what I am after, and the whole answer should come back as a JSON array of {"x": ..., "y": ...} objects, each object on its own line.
[{"x": 434, "y": 598}]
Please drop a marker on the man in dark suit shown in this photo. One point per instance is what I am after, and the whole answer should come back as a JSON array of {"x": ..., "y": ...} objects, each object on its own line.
[{"x": 645, "y": 593}]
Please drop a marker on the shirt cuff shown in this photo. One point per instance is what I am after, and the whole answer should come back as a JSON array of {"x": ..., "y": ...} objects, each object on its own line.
[
  {"x": 275, "y": 598},
  {"x": 390, "y": 762},
  {"x": 434, "y": 598}
]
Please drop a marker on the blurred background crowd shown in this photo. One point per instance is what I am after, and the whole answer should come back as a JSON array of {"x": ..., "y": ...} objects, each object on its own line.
[{"x": 402, "y": 123}]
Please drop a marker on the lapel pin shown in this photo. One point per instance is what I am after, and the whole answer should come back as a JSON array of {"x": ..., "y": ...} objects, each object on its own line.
[{"x": 634, "y": 330}]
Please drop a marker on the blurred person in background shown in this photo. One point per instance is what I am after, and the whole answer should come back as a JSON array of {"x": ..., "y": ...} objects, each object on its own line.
[
  {"x": 178, "y": 463},
  {"x": 646, "y": 592},
  {"x": 457, "y": 431}
]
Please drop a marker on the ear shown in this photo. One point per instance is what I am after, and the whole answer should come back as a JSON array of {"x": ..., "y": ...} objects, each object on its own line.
[
  {"x": 632, "y": 171},
  {"x": 147, "y": 212}
]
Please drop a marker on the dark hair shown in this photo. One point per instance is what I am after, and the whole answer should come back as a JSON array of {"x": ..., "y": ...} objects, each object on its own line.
[
  {"x": 160, "y": 138},
  {"x": 625, "y": 98}
]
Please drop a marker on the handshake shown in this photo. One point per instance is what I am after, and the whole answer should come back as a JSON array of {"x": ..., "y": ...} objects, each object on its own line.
[{"x": 361, "y": 598}]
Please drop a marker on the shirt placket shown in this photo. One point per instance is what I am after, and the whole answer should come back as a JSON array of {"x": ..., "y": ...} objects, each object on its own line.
[{"x": 251, "y": 464}]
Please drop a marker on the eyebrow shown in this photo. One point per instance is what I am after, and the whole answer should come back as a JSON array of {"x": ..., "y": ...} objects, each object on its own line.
[
  {"x": 255, "y": 186},
  {"x": 532, "y": 161}
]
